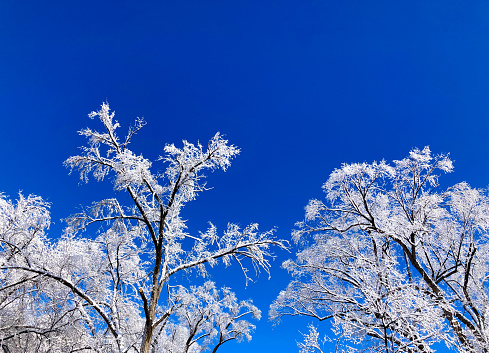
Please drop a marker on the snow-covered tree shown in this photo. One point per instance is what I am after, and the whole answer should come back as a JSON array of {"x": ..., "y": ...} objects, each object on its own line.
[
  {"x": 36, "y": 312},
  {"x": 121, "y": 290},
  {"x": 393, "y": 262}
]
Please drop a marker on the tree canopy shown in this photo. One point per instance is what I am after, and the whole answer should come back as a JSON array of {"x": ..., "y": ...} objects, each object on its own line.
[
  {"x": 393, "y": 260},
  {"x": 119, "y": 290}
]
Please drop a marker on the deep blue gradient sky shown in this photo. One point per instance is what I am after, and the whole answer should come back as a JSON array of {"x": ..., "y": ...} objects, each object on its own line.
[{"x": 299, "y": 86}]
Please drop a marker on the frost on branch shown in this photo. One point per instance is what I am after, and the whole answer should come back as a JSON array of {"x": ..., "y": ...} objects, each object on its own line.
[
  {"x": 119, "y": 287},
  {"x": 36, "y": 313},
  {"x": 208, "y": 318},
  {"x": 312, "y": 342},
  {"x": 186, "y": 165},
  {"x": 22, "y": 229},
  {"x": 395, "y": 263},
  {"x": 236, "y": 245}
]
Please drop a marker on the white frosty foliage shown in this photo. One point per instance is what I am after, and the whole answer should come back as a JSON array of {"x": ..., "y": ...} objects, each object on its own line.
[
  {"x": 207, "y": 314},
  {"x": 118, "y": 291},
  {"x": 312, "y": 343},
  {"x": 395, "y": 264}
]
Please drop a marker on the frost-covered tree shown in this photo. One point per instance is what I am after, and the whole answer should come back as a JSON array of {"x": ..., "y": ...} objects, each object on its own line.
[
  {"x": 36, "y": 312},
  {"x": 393, "y": 262},
  {"x": 122, "y": 290}
]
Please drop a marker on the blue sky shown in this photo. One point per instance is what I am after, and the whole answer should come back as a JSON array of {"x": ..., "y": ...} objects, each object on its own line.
[{"x": 299, "y": 86}]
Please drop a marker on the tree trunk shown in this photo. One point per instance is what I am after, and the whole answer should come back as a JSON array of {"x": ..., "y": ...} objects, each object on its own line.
[{"x": 147, "y": 337}]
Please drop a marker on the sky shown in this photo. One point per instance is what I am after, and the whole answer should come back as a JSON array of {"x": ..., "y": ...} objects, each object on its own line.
[{"x": 300, "y": 86}]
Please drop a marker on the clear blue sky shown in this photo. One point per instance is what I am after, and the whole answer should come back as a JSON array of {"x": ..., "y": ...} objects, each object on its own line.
[{"x": 299, "y": 86}]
